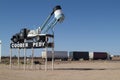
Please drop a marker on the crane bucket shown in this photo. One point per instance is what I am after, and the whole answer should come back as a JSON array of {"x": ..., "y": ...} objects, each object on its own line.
[{"x": 58, "y": 13}]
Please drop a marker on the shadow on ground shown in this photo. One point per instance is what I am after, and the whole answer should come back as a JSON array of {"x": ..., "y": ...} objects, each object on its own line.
[
  {"x": 86, "y": 69},
  {"x": 80, "y": 69}
]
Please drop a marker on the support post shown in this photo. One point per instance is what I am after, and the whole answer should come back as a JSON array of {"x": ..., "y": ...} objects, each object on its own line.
[
  {"x": 10, "y": 58},
  {"x": 46, "y": 54},
  {"x": 53, "y": 54},
  {"x": 32, "y": 57},
  {"x": 0, "y": 50},
  {"x": 46, "y": 59},
  {"x": 19, "y": 58},
  {"x": 24, "y": 57}
]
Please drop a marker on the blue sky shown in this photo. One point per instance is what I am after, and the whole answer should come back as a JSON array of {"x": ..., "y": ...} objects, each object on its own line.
[{"x": 89, "y": 25}]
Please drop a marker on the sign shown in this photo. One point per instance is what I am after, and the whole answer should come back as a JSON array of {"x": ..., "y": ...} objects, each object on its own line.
[{"x": 31, "y": 45}]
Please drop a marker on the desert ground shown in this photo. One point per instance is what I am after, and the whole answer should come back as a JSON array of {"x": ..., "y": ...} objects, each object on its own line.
[{"x": 65, "y": 70}]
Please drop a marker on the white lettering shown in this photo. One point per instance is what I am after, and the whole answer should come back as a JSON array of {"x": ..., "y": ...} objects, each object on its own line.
[
  {"x": 19, "y": 45},
  {"x": 38, "y": 44},
  {"x": 28, "y": 45}
]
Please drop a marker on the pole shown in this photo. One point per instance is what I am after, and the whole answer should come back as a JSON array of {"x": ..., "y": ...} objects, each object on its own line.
[
  {"x": 10, "y": 58},
  {"x": 53, "y": 57},
  {"x": 32, "y": 57},
  {"x": 46, "y": 59},
  {"x": 24, "y": 57},
  {"x": 19, "y": 58},
  {"x": 46, "y": 54},
  {"x": 0, "y": 50},
  {"x": 53, "y": 52}
]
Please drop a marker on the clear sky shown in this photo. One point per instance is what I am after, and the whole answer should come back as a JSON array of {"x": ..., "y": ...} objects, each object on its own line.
[{"x": 89, "y": 25}]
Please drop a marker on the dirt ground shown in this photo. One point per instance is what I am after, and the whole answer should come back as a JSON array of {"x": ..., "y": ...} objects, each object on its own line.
[{"x": 75, "y": 70}]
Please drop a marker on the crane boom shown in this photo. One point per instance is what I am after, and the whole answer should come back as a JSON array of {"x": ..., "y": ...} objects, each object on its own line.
[
  {"x": 45, "y": 23},
  {"x": 58, "y": 17}
]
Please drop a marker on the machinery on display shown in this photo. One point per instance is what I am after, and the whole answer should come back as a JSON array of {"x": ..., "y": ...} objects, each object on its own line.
[
  {"x": 26, "y": 37},
  {"x": 38, "y": 38}
]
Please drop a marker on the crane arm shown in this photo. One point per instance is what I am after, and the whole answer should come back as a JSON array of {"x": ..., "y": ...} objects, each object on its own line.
[
  {"x": 45, "y": 23},
  {"x": 58, "y": 17},
  {"x": 51, "y": 25}
]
